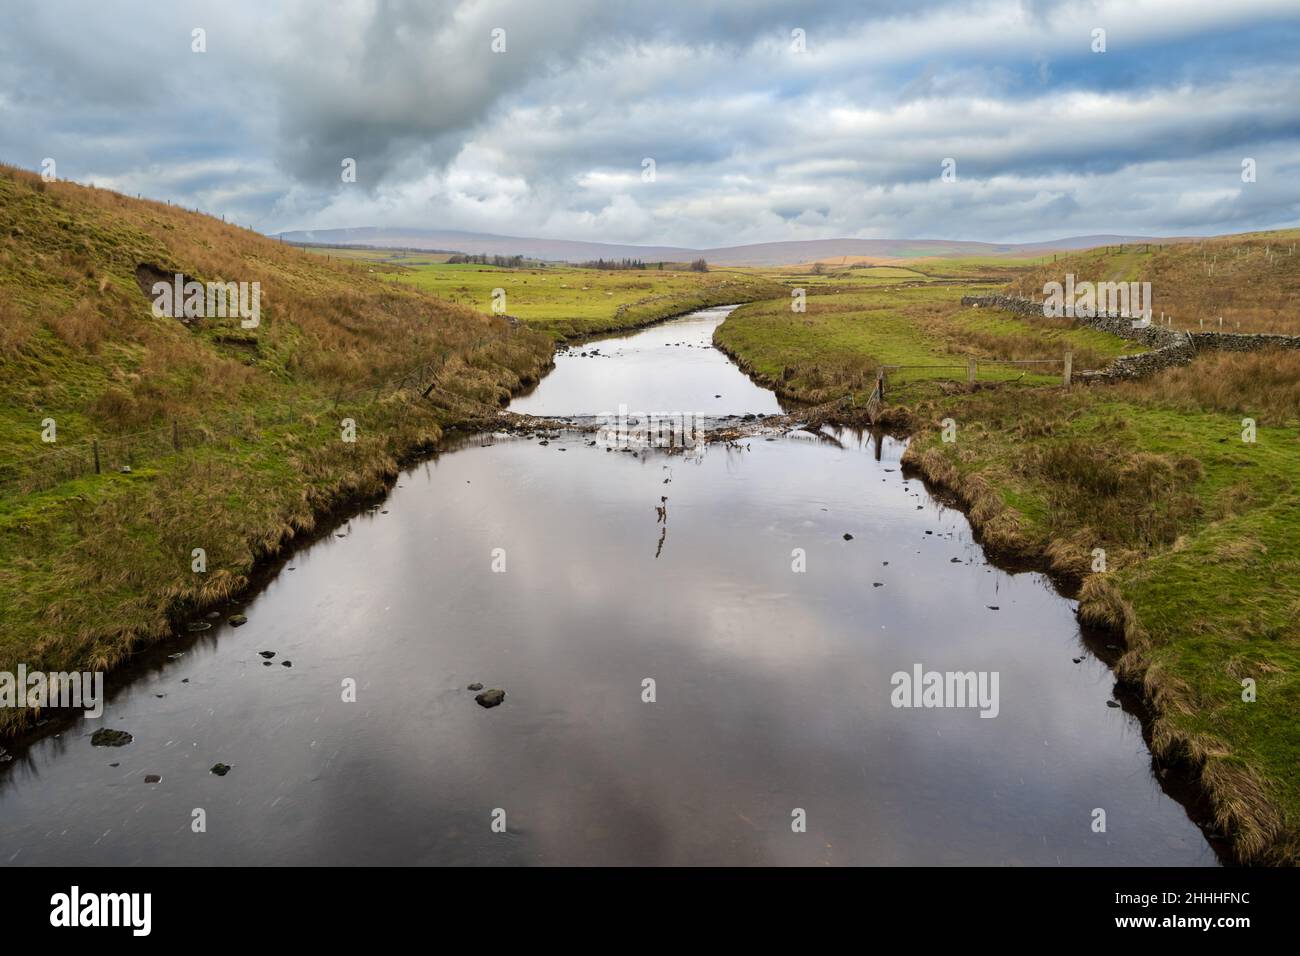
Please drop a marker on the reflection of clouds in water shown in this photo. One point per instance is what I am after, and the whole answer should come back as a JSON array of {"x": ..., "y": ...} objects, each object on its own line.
[
  {"x": 651, "y": 371},
  {"x": 772, "y": 686},
  {"x": 732, "y": 616}
]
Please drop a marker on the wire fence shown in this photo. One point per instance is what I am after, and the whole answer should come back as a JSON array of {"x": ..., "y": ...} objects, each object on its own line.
[
  {"x": 106, "y": 454},
  {"x": 972, "y": 367}
]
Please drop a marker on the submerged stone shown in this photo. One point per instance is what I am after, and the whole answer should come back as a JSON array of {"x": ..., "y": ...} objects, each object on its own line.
[
  {"x": 104, "y": 737},
  {"x": 490, "y": 698}
]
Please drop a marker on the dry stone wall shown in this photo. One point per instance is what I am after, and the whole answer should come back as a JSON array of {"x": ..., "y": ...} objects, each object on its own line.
[{"x": 1168, "y": 347}]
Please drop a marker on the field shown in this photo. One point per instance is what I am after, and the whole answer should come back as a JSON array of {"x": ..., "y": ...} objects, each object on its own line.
[
  {"x": 566, "y": 302},
  {"x": 849, "y": 329},
  {"x": 381, "y": 257}
]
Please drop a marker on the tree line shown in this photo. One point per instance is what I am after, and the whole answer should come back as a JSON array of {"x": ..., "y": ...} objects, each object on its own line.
[{"x": 482, "y": 259}]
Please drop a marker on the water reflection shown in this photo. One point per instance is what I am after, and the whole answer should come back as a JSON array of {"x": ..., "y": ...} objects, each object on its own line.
[
  {"x": 671, "y": 367},
  {"x": 801, "y": 574},
  {"x": 772, "y": 686}
]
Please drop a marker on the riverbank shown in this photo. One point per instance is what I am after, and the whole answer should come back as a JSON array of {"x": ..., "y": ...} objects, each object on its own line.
[
  {"x": 152, "y": 465},
  {"x": 185, "y": 456},
  {"x": 1154, "y": 483},
  {"x": 393, "y": 597}
]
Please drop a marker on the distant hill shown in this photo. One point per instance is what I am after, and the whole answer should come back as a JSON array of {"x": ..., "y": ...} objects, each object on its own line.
[{"x": 757, "y": 254}]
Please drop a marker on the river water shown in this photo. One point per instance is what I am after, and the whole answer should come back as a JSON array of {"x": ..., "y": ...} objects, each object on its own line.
[{"x": 547, "y": 570}]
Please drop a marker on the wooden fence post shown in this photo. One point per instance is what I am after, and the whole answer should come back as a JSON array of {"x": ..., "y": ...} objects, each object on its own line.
[
  {"x": 1069, "y": 369},
  {"x": 970, "y": 371},
  {"x": 176, "y": 435},
  {"x": 95, "y": 443}
]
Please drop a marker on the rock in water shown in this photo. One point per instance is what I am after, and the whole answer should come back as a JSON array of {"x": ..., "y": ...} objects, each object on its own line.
[
  {"x": 110, "y": 738},
  {"x": 236, "y": 619},
  {"x": 475, "y": 686},
  {"x": 490, "y": 698},
  {"x": 221, "y": 769},
  {"x": 152, "y": 778},
  {"x": 847, "y": 536}
]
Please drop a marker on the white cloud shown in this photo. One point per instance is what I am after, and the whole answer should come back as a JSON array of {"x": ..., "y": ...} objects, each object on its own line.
[{"x": 751, "y": 141}]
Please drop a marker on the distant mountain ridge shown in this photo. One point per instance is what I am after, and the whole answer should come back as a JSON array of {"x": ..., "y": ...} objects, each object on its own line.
[{"x": 754, "y": 254}]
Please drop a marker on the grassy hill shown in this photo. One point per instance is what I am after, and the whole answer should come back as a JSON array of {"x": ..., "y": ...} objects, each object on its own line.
[
  {"x": 232, "y": 436},
  {"x": 1252, "y": 280}
]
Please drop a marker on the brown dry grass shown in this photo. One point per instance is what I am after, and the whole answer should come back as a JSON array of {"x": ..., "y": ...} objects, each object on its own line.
[
  {"x": 1264, "y": 385},
  {"x": 95, "y": 566},
  {"x": 78, "y": 340},
  {"x": 1251, "y": 279}
]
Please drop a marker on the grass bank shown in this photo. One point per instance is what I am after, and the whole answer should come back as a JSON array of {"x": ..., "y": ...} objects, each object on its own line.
[
  {"x": 835, "y": 346},
  {"x": 256, "y": 444},
  {"x": 1195, "y": 524}
]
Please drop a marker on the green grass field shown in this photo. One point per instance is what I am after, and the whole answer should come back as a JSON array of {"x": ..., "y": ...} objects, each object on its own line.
[
  {"x": 567, "y": 302},
  {"x": 834, "y": 348},
  {"x": 394, "y": 257}
]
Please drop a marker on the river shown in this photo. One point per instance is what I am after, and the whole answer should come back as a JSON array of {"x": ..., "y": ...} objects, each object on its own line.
[{"x": 546, "y": 568}]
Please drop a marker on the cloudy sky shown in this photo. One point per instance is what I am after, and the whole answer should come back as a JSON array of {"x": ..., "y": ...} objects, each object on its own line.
[{"x": 753, "y": 139}]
